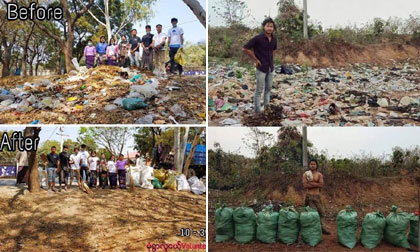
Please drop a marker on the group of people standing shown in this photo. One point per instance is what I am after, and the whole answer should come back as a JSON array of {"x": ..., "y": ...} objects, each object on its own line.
[
  {"x": 87, "y": 167},
  {"x": 128, "y": 50}
]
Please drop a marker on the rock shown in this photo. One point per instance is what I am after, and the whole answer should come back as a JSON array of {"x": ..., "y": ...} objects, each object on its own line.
[
  {"x": 110, "y": 107},
  {"x": 405, "y": 101},
  {"x": 145, "y": 120},
  {"x": 383, "y": 102}
]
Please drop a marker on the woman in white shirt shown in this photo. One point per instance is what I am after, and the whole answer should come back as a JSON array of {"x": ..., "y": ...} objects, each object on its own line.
[
  {"x": 112, "y": 169},
  {"x": 112, "y": 52},
  {"x": 93, "y": 164}
]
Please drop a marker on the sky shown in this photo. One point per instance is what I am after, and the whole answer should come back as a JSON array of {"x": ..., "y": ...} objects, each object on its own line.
[
  {"x": 339, "y": 142},
  {"x": 331, "y": 13},
  {"x": 164, "y": 10},
  {"x": 72, "y": 132}
]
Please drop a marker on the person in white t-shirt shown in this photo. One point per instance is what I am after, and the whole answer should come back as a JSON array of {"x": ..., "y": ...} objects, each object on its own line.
[
  {"x": 112, "y": 169},
  {"x": 75, "y": 167},
  {"x": 84, "y": 164},
  {"x": 93, "y": 164},
  {"x": 159, "y": 49},
  {"x": 139, "y": 161},
  {"x": 175, "y": 42}
]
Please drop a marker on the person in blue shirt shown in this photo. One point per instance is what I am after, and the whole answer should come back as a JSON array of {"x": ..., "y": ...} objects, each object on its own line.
[{"x": 101, "y": 51}]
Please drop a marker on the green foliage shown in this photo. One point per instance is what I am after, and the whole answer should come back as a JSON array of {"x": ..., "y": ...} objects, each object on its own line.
[
  {"x": 45, "y": 148},
  {"x": 196, "y": 54}
]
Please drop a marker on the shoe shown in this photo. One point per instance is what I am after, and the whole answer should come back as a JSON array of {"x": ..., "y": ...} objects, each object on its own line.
[{"x": 325, "y": 232}]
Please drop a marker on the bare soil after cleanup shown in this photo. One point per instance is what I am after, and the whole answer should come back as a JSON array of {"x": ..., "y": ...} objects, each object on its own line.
[{"x": 107, "y": 220}]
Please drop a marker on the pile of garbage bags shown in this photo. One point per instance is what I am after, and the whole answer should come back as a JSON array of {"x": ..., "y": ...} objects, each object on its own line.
[
  {"x": 169, "y": 179},
  {"x": 268, "y": 226}
]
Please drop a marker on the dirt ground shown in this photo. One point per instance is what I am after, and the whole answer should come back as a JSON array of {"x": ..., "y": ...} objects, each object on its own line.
[
  {"x": 107, "y": 220},
  {"x": 379, "y": 194},
  {"x": 90, "y": 103}
]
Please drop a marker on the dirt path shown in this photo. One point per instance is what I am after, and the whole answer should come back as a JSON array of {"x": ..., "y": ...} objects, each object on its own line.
[{"x": 107, "y": 220}]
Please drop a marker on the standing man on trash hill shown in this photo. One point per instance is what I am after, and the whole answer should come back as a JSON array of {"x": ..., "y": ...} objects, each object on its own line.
[
  {"x": 159, "y": 49},
  {"x": 134, "y": 49},
  {"x": 313, "y": 181},
  {"x": 175, "y": 42},
  {"x": 261, "y": 50}
]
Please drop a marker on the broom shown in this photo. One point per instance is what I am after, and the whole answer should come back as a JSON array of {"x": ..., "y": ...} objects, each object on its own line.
[{"x": 131, "y": 175}]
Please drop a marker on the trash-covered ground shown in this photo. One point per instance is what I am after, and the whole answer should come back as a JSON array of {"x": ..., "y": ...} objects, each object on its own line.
[
  {"x": 103, "y": 95},
  {"x": 359, "y": 95},
  {"x": 106, "y": 220}
]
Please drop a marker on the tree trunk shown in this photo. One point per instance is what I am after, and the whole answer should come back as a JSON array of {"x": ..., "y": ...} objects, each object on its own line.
[
  {"x": 177, "y": 136},
  {"x": 33, "y": 182},
  {"x": 68, "y": 53},
  {"x": 6, "y": 67},
  {"x": 184, "y": 141},
  {"x": 198, "y": 11},
  {"x": 25, "y": 50},
  {"x": 36, "y": 68},
  {"x": 57, "y": 64}
]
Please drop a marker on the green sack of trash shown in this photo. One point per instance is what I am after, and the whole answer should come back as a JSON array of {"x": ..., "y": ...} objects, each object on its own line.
[
  {"x": 267, "y": 221},
  {"x": 414, "y": 230},
  {"x": 310, "y": 226},
  {"x": 288, "y": 225},
  {"x": 395, "y": 228},
  {"x": 245, "y": 224},
  {"x": 133, "y": 104},
  {"x": 347, "y": 227},
  {"x": 156, "y": 184},
  {"x": 224, "y": 223},
  {"x": 373, "y": 227}
]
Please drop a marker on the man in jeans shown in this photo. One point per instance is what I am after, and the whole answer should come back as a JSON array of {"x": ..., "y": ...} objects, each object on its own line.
[
  {"x": 175, "y": 42},
  {"x": 261, "y": 50},
  {"x": 52, "y": 167},
  {"x": 134, "y": 49},
  {"x": 64, "y": 164},
  {"x": 84, "y": 164}
]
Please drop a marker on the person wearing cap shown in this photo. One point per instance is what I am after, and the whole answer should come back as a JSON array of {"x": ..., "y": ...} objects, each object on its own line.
[{"x": 175, "y": 42}]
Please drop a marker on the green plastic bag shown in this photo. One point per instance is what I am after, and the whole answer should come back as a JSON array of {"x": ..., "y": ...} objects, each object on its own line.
[
  {"x": 156, "y": 184},
  {"x": 396, "y": 226},
  {"x": 133, "y": 104},
  {"x": 245, "y": 224},
  {"x": 414, "y": 230},
  {"x": 288, "y": 226},
  {"x": 347, "y": 227},
  {"x": 310, "y": 226},
  {"x": 224, "y": 224},
  {"x": 373, "y": 227},
  {"x": 267, "y": 225}
]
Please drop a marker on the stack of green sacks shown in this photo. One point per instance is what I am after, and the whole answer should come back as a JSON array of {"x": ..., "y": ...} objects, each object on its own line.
[
  {"x": 413, "y": 237},
  {"x": 245, "y": 224},
  {"x": 310, "y": 226},
  {"x": 224, "y": 224},
  {"x": 373, "y": 227},
  {"x": 267, "y": 225},
  {"x": 288, "y": 226},
  {"x": 347, "y": 227},
  {"x": 396, "y": 226}
]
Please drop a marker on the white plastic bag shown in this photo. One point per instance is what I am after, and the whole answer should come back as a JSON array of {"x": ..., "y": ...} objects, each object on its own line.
[
  {"x": 135, "y": 174},
  {"x": 147, "y": 90},
  {"x": 146, "y": 177},
  {"x": 182, "y": 183},
  {"x": 197, "y": 186},
  {"x": 41, "y": 177}
]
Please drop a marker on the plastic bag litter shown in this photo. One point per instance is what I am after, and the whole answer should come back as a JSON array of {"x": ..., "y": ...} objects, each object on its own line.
[
  {"x": 310, "y": 226},
  {"x": 145, "y": 120},
  {"x": 182, "y": 183},
  {"x": 373, "y": 226},
  {"x": 197, "y": 186},
  {"x": 118, "y": 101},
  {"x": 160, "y": 175},
  {"x": 288, "y": 226},
  {"x": 76, "y": 64},
  {"x": 245, "y": 224},
  {"x": 147, "y": 90},
  {"x": 347, "y": 227},
  {"x": 146, "y": 177},
  {"x": 156, "y": 184},
  {"x": 395, "y": 228},
  {"x": 267, "y": 221},
  {"x": 414, "y": 230},
  {"x": 177, "y": 110},
  {"x": 133, "y": 104},
  {"x": 4, "y": 97},
  {"x": 110, "y": 107},
  {"x": 224, "y": 224},
  {"x": 170, "y": 182}
]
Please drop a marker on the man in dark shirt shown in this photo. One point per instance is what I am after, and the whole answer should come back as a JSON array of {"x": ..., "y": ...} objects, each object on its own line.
[
  {"x": 52, "y": 167},
  {"x": 64, "y": 168},
  {"x": 147, "y": 44},
  {"x": 261, "y": 50},
  {"x": 135, "y": 48}
]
